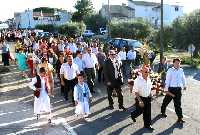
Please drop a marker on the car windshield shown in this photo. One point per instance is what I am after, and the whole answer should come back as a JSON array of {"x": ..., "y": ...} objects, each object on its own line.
[{"x": 135, "y": 43}]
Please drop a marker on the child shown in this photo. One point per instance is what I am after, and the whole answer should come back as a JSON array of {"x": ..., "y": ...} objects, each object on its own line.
[
  {"x": 30, "y": 65},
  {"x": 81, "y": 97}
]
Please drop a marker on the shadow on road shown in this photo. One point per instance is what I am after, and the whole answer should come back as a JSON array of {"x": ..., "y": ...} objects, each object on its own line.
[{"x": 171, "y": 129}]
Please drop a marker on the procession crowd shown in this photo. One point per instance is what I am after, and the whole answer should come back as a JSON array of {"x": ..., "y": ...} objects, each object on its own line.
[{"x": 77, "y": 64}]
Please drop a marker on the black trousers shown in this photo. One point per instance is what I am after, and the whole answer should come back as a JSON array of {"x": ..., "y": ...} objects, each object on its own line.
[
  {"x": 90, "y": 73},
  {"x": 62, "y": 88},
  {"x": 146, "y": 110},
  {"x": 69, "y": 85},
  {"x": 119, "y": 95},
  {"x": 100, "y": 74},
  {"x": 177, "y": 101},
  {"x": 5, "y": 59}
]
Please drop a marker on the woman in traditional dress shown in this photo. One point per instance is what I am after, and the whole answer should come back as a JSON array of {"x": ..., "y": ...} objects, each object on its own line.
[
  {"x": 81, "y": 97},
  {"x": 49, "y": 70},
  {"x": 42, "y": 100}
]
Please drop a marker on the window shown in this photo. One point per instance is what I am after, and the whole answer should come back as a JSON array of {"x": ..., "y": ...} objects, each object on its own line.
[
  {"x": 35, "y": 18},
  {"x": 176, "y": 8}
]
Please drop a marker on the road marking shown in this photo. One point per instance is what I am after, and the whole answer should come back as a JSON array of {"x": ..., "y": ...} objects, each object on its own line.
[{"x": 172, "y": 110}]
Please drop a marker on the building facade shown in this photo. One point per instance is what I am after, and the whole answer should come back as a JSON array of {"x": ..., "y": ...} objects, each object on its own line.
[
  {"x": 117, "y": 11},
  {"x": 149, "y": 11},
  {"x": 31, "y": 18}
]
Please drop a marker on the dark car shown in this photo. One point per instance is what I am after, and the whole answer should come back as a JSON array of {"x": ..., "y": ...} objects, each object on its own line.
[{"x": 127, "y": 43}]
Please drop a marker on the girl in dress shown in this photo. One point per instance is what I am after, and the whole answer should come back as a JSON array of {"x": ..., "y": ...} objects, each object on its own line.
[
  {"x": 82, "y": 96},
  {"x": 42, "y": 100}
]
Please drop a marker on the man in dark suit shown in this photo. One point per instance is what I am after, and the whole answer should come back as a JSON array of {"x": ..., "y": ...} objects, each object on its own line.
[{"x": 113, "y": 79}]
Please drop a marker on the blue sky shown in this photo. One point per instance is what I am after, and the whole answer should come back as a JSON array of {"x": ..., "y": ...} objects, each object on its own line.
[{"x": 8, "y": 7}]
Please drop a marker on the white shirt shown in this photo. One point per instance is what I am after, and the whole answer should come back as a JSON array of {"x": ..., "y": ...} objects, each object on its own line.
[
  {"x": 95, "y": 50},
  {"x": 34, "y": 81},
  {"x": 72, "y": 47},
  {"x": 175, "y": 78},
  {"x": 142, "y": 86},
  {"x": 89, "y": 61},
  {"x": 69, "y": 72},
  {"x": 35, "y": 46},
  {"x": 131, "y": 55},
  {"x": 61, "y": 47},
  {"x": 117, "y": 64},
  {"x": 79, "y": 62},
  {"x": 122, "y": 55}
]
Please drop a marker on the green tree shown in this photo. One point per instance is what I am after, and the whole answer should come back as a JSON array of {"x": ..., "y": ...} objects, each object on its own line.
[
  {"x": 134, "y": 29},
  {"x": 95, "y": 21},
  {"x": 71, "y": 29},
  {"x": 83, "y": 9},
  {"x": 186, "y": 31},
  {"x": 167, "y": 40}
]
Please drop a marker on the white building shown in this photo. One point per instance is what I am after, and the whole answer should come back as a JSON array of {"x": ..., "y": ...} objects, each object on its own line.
[
  {"x": 31, "y": 18},
  {"x": 117, "y": 11},
  {"x": 146, "y": 10},
  {"x": 151, "y": 11}
]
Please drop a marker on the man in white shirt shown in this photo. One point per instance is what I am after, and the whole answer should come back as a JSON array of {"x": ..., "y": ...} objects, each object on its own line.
[
  {"x": 72, "y": 47},
  {"x": 131, "y": 56},
  {"x": 61, "y": 46},
  {"x": 78, "y": 61},
  {"x": 94, "y": 48},
  {"x": 90, "y": 63},
  {"x": 122, "y": 57},
  {"x": 142, "y": 89},
  {"x": 174, "y": 83},
  {"x": 69, "y": 72}
]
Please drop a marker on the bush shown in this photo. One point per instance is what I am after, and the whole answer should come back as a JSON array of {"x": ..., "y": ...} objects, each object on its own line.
[
  {"x": 72, "y": 29},
  {"x": 133, "y": 29},
  {"x": 68, "y": 29},
  {"x": 46, "y": 27},
  {"x": 194, "y": 62}
]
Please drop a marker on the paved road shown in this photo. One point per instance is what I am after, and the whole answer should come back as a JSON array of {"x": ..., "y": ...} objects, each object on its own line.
[{"x": 16, "y": 112}]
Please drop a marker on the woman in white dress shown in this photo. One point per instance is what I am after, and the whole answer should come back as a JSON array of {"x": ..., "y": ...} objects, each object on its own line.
[
  {"x": 42, "y": 100},
  {"x": 82, "y": 96}
]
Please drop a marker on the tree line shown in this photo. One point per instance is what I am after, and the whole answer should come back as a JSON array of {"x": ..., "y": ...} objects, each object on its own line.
[{"x": 184, "y": 31}]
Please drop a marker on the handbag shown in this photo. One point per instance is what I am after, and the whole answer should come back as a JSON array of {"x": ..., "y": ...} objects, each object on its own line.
[{"x": 37, "y": 93}]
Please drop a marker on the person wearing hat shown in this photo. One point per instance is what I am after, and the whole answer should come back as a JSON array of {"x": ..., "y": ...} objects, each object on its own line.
[
  {"x": 174, "y": 83},
  {"x": 142, "y": 89}
]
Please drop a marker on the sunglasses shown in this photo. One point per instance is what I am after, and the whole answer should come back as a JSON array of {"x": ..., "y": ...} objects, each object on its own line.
[
  {"x": 112, "y": 54},
  {"x": 146, "y": 72}
]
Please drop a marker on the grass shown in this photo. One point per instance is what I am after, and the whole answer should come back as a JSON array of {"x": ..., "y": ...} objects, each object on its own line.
[{"x": 184, "y": 56}]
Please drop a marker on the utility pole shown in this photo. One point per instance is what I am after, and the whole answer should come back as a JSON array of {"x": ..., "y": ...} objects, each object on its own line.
[
  {"x": 161, "y": 31},
  {"x": 109, "y": 20}
]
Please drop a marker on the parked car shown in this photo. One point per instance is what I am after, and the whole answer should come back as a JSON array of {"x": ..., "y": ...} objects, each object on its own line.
[
  {"x": 127, "y": 43},
  {"x": 103, "y": 31},
  {"x": 43, "y": 34},
  {"x": 88, "y": 33}
]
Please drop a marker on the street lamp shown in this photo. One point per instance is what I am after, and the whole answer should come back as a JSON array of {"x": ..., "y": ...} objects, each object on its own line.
[
  {"x": 161, "y": 32},
  {"x": 29, "y": 22}
]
